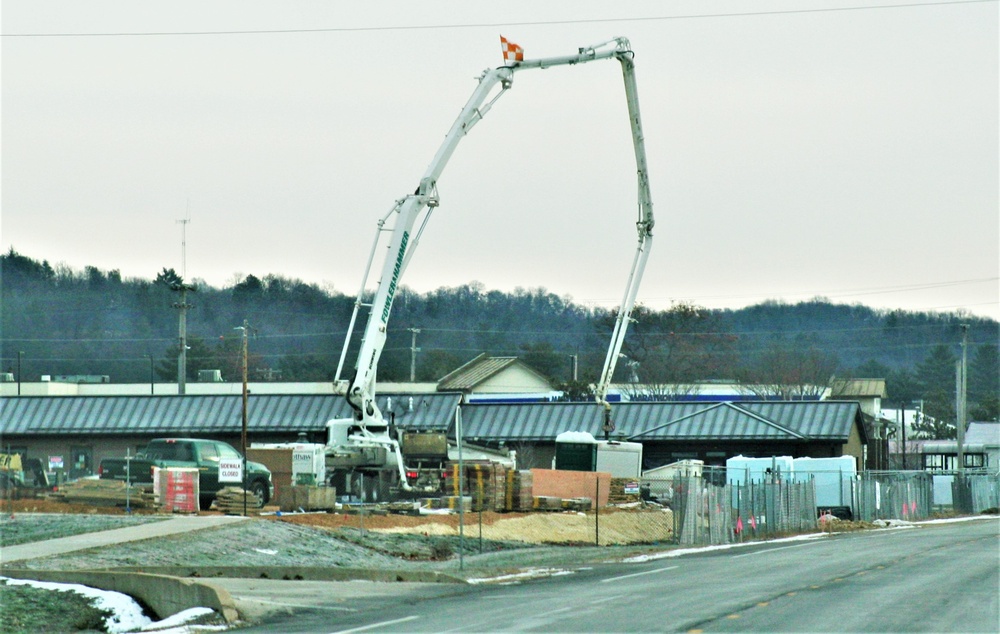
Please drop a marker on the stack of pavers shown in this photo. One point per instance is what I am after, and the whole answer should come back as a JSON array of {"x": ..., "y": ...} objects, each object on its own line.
[
  {"x": 577, "y": 504},
  {"x": 230, "y": 501},
  {"x": 518, "y": 491},
  {"x": 105, "y": 493},
  {"x": 617, "y": 494},
  {"x": 483, "y": 482}
]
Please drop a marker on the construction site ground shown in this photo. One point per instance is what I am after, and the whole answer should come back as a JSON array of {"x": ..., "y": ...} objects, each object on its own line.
[
  {"x": 499, "y": 541},
  {"x": 275, "y": 563},
  {"x": 280, "y": 555}
]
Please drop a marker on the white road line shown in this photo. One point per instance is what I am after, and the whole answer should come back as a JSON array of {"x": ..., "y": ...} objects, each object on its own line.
[
  {"x": 639, "y": 574},
  {"x": 606, "y": 599},
  {"x": 769, "y": 550},
  {"x": 374, "y": 625}
]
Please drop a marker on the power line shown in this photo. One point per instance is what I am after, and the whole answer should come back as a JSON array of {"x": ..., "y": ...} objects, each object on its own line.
[{"x": 427, "y": 27}]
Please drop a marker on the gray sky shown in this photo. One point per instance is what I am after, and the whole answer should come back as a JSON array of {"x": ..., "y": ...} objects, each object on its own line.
[{"x": 850, "y": 154}]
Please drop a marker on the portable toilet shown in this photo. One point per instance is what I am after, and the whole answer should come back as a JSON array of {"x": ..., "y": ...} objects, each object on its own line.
[{"x": 576, "y": 451}]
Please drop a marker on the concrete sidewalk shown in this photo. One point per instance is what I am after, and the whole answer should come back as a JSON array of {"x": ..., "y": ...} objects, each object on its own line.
[{"x": 172, "y": 526}]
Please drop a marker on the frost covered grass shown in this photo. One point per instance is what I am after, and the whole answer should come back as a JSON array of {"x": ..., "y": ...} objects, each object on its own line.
[{"x": 25, "y": 528}]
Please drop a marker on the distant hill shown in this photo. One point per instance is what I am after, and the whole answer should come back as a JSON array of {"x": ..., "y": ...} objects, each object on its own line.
[{"x": 80, "y": 322}]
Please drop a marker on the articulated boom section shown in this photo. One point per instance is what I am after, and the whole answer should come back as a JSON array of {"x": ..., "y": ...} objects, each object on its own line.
[{"x": 417, "y": 207}]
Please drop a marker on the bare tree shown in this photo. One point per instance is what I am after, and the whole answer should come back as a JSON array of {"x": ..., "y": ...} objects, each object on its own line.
[{"x": 787, "y": 372}]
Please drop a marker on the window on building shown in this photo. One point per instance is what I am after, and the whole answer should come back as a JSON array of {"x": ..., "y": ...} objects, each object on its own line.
[{"x": 949, "y": 461}]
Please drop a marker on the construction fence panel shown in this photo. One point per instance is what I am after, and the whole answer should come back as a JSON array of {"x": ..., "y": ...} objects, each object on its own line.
[
  {"x": 773, "y": 508},
  {"x": 885, "y": 495},
  {"x": 708, "y": 514},
  {"x": 975, "y": 493}
]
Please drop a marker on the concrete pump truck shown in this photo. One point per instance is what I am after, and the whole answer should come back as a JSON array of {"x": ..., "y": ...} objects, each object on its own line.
[{"x": 365, "y": 455}]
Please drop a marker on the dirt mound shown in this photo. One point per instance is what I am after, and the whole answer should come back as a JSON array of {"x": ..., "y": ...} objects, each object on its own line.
[{"x": 618, "y": 527}]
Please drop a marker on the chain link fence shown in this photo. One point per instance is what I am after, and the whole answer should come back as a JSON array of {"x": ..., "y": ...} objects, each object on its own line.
[{"x": 697, "y": 508}]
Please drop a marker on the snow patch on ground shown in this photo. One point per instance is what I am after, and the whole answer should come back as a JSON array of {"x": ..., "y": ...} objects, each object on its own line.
[
  {"x": 886, "y": 524},
  {"x": 126, "y": 614},
  {"x": 704, "y": 549},
  {"x": 534, "y": 573}
]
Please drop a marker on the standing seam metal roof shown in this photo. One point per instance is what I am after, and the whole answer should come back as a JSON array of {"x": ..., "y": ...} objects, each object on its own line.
[
  {"x": 200, "y": 414},
  {"x": 795, "y": 421}
]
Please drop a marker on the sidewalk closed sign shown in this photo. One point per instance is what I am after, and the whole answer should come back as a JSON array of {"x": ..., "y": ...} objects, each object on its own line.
[{"x": 231, "y": 470}]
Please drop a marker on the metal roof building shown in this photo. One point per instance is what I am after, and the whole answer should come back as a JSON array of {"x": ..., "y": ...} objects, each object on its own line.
[{"x": 90, "y": 428}]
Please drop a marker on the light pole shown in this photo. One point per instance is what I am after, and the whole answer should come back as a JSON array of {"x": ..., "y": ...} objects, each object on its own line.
[
  {"x": 150, "y": 357},
  {"x": 413, "y": 353},
  {"x": 20, "y": 353}
]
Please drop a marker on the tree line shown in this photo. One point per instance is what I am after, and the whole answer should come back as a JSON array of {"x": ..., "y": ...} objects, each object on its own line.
[{"x": 61, "y": 321}]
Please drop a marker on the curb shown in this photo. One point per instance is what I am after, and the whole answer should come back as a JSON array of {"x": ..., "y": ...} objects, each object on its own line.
[
  {"x": 166, "y": 595},
  {"x": 168, "y": 590},
  {"x": 297, "y": 573}
]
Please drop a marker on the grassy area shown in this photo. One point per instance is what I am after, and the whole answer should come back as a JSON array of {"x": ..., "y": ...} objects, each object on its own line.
[
  {"x": 27, "y": 528},
  {"x": 27, "y": 610}
]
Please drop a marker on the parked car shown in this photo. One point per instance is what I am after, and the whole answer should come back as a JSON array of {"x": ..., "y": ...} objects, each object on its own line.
[{"x": 189, "y": 452}]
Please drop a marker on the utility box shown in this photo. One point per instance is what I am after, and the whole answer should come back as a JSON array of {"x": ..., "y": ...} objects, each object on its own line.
[
  {"x": 576, "y": 451},
  {"x": 312, "y": 498},
  {"x": 210, "y": 376},
  {"x": 308, "y": 464}
]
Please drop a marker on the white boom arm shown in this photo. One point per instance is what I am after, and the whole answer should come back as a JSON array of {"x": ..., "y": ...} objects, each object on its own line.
[{"x": 361, "y": 388}]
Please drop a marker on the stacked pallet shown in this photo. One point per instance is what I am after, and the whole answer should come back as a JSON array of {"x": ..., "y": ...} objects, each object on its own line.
[
  {"x": 518, "y": 491},
  {"x": 546, "y": 503},
  {"x": 232, "y": 501},
  {"x": 177, "y": 489},
  {"x": 623, "y": 491},
  {"x": 105, "y": 493},
  {"x": 482, "y": 480},
  {"x": 577, "y": 504}
]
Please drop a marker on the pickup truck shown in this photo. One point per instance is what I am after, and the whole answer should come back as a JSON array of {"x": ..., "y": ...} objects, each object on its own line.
[{"x": 189, "y": 452}]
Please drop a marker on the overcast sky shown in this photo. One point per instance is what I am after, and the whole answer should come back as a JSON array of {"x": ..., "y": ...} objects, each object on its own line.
[{"x": 794, "y": 151}]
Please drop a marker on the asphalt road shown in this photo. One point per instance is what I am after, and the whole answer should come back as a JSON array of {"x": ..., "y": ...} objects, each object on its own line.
[{"x": 933, "y": 578}]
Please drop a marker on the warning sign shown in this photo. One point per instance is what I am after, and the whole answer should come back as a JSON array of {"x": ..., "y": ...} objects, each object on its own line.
[{"x": 231, "y": 470}]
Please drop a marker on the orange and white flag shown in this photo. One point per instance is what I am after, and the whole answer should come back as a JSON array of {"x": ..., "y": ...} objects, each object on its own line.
[{"x": 511, "y": 51}]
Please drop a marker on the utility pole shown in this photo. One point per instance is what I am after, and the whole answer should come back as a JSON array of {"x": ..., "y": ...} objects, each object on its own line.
[
  {"x": 20, "y": 353},
  {"x": 413, "y": 353},
  {"x": 960, "y": 395},
  {"x": 902, "y": 429},
  {"x": 183, "y": 287},
  {"x": 243, "y": 434},
  {"x": 182, "y": 306}
]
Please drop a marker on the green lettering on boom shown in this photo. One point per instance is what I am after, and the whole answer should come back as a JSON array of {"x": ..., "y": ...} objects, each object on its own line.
[{"x": 395, "y": 277}]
